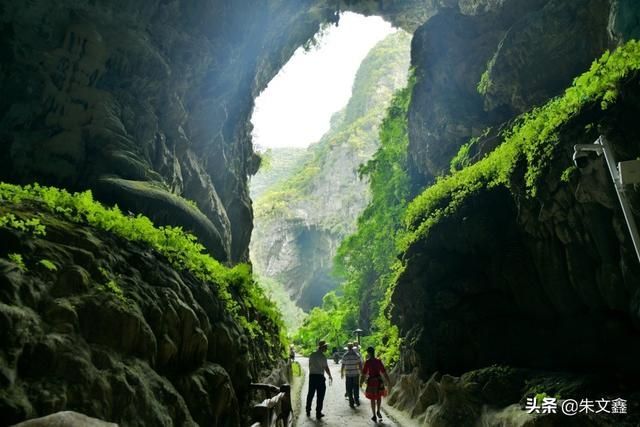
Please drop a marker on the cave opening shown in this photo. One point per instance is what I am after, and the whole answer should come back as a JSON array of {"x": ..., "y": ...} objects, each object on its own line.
[
  {"x": 296, "y": 107},
  {"x": 314, "y": 125}
]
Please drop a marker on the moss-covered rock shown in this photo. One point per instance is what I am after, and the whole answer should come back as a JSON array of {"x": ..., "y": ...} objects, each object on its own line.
[
  {"x": 512, "y": 261},
  {"x": 95, "y": 323}
]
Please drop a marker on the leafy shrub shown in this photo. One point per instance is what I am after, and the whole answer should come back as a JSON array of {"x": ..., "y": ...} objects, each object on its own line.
[
  {"x": 48, "y": 264},
  {"x": 31, "y": 225},
  {"x": 18, "y": 261}
]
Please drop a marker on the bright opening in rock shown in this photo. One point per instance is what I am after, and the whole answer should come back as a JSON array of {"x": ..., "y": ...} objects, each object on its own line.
[
  {"x": 314, "y": 125},
  {"x": 295, "y": 109}
]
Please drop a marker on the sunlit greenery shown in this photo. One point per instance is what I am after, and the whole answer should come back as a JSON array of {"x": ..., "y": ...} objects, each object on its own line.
[
  {"x": 354, "y": 127},
  {"x": 532, "y": 140},
  {"x": 31, "y": 225},
  {"x": 182, "y": 249},
  {"x": 367, "y": 259},
  {"x": 292, "y": 315}
]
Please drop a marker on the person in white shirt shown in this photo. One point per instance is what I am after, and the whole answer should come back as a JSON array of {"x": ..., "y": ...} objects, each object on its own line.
[{"x": 317, "y": 367}]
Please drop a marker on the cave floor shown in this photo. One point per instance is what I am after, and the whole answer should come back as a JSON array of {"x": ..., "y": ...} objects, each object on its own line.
[{"x": 336, "y": 406}]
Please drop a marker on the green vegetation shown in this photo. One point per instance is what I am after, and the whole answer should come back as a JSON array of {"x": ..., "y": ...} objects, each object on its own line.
[
  {"x": 483, "y": 84},
  {"x": 485, "y": 81},
  {"x": 18, "y": 261},
  {"x": 532, "y": 140},
  {"x": 277, "y": 165},
  {"x": 292, "y": 315},
  {"x": 234, "y": 286},
  {"x": 282, "y": 164},
  {"x": 367, "y": 259},
  {"x": 462, "y": 159},
  {"x": 354, "y": 128},
  {"x": 31, "y": 225},
  {"x": 327, "y": 323},
  {"x": 568, "y": 173},
  {"x": 321, "y": 198},
  {"x": 191, "y": 203},
  {"x": 389, "y": 224},
  {"x": 111, "y": 285},
  {"x": 296, "y": 369},
  {"x": 48, "y": 264}
]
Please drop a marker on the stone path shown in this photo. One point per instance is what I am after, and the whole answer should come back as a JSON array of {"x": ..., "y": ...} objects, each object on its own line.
[{"x": 336, "y": 407}]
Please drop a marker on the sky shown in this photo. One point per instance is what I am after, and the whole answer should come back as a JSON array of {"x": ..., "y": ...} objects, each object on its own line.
[{"x": 295, "y": 108}]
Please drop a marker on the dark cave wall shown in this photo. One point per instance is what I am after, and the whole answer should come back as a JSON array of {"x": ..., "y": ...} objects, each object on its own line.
[
  {"x": 548, "y": 282},
  {"x": 530, "y": 51},
  {"x": 165, "y": 351},
  {"x": 144, "y": 101}
]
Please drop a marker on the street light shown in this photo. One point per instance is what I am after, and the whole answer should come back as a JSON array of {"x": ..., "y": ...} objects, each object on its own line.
[
  {"x": 358, "y": 332},
  {"x": 624, "y": 173}
]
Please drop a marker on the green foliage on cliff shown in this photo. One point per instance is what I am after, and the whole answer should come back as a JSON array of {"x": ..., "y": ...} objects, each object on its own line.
[
  {"x": 485, "y": 80},
  {"x": 292, "y": 315},
  {"x": 483, "y": 84},
  {"x": 48, "y": 264},
  {"x": 354, "y": 129},
  {"x": 326, "y": 323},
  {"x": 18, "y": 261},
  {"x": 367, "y": 259},
  {"x": 182, "y": 249},
  {"x": 277, "y": 166},
  {"x": 31, "y": 225},
  {"x": 532, "y": 140},
  {"x": 318, "y": 203}
]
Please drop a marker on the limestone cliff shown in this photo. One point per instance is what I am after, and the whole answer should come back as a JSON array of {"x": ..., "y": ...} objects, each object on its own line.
[{"x": 300, "y": 223}]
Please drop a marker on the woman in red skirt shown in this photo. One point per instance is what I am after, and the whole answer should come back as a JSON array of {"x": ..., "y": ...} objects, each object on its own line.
[{"x": 373, "y": 369}]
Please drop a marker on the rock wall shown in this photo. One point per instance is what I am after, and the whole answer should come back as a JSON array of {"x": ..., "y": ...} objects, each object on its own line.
[
  {"x": 165, "y": 351},
  {"x": 548, "y": 283},
  {"x": 512, "y": 50},
  {"x": 515, "y": 52},
  {"x": 142, "y": 102}
]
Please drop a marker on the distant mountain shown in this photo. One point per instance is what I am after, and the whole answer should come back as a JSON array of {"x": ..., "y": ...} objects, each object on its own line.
[{"x": 278, "y": 164}]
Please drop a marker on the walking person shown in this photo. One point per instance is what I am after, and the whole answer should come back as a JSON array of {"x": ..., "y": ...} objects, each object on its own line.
[
  {"x": 351, "y": 365},
  {"x": 317, "y": 367},
  {"x": 374, "y": 370}
]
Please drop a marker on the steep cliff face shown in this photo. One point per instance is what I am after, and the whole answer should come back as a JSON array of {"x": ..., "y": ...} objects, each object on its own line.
[
  {"x": 300, "y": 223},
  {"x": 145, "y": 102}
]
